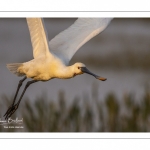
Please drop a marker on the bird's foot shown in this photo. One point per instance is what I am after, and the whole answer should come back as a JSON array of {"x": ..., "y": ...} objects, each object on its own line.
[{"x": 10, "y": 111}]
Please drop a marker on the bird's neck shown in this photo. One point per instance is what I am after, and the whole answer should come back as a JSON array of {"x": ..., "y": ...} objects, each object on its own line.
[{"x": 66, "y": 72}]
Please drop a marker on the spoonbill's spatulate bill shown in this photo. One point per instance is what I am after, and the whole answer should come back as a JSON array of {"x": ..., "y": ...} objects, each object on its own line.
[{"x": 51, "y": 59}]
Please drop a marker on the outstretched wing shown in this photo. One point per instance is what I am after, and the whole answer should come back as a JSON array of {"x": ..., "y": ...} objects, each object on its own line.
[
  {"x": 66, "y": 43},
  {"x": 39, "y": 38}
]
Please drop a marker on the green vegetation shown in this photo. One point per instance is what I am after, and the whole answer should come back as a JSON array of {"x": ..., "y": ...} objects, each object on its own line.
[{"x": 83, "y": 115}]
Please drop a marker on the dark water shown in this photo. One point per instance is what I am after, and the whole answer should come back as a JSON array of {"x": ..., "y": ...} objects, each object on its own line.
[{"x": 121, "y": 35}]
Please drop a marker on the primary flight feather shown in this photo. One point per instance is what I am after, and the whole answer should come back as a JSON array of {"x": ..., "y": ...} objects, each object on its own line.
[{"x": 66, "y": 43}]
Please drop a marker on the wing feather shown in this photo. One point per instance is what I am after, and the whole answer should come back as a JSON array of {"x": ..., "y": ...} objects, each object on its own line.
[
  {"x": 66, "y": 43},
  {"x": 39, "y": 38}
]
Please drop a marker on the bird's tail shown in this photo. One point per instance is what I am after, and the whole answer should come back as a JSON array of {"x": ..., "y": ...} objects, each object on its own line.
[{"x": 14, "y": 68}]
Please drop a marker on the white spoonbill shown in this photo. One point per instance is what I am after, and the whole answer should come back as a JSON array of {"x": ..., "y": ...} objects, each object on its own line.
[{"x": 51, "y": 59}]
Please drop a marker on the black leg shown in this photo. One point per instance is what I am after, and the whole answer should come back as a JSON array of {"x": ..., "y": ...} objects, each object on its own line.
[
  {"x": 19, "y": 85},
  {"x": 14, "y": 107}
]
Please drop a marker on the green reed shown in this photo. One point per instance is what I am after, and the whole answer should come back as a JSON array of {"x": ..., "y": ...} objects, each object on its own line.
[{"x": 82, "y": 114}]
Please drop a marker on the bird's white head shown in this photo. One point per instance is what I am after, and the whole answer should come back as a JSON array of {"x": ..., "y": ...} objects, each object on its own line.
[
  {"x": 80, "y": 68},
  {"x": 77, "y": 68}
]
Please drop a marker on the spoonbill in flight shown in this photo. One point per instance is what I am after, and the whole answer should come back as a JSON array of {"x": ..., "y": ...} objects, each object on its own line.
[{"x": 51, "y": 59}]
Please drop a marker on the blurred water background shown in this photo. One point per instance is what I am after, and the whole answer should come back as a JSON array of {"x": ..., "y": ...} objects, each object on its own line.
[{"x": 121, "y": 53}]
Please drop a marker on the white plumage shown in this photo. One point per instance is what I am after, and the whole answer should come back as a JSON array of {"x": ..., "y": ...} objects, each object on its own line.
[
  {"x": 50, "y": 59},
  {"x": 66, "y": 43},
  {"x": 39, "y": 38}
]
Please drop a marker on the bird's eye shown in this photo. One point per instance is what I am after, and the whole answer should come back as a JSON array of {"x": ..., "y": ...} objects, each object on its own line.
[{"x": 78, "y": 67}]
